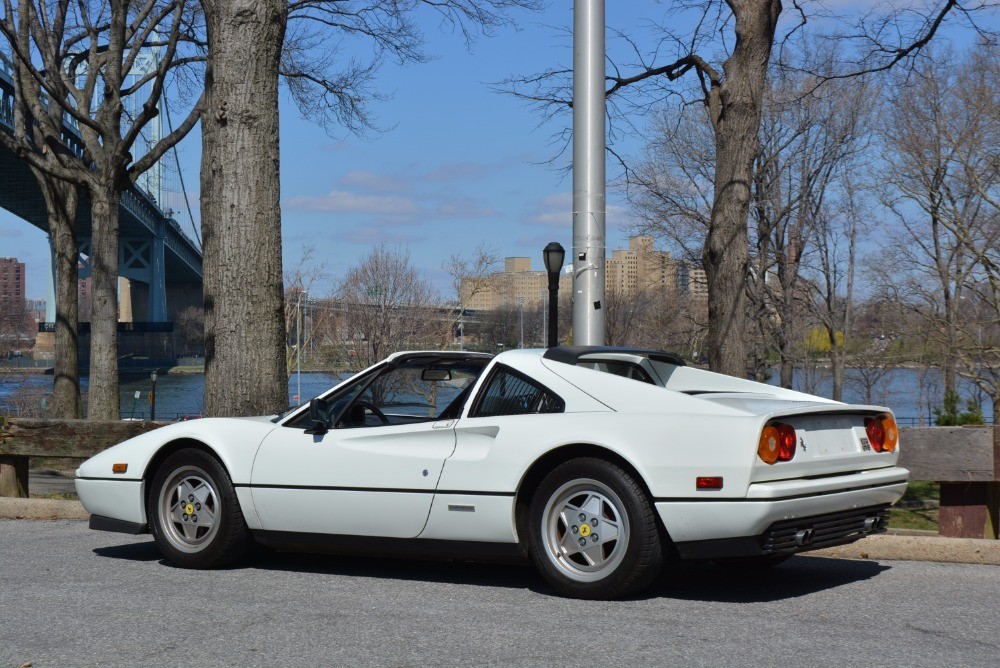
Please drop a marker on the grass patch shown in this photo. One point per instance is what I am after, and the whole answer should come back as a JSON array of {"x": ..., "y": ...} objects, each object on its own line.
[
  {"x": 909, "y": 514},
  {"x": 924, "y": 519}
]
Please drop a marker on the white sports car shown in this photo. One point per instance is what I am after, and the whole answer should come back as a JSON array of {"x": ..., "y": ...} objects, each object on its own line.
[{"x": 597, "y": 463}]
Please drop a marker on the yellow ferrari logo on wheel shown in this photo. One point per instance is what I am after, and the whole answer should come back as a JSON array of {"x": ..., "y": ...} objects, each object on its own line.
[
  {"x": 584, "y": 530},
  {"x": 189, "y": 509}
]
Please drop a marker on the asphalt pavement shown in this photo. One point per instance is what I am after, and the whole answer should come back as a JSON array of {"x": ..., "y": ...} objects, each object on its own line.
[{"x": 74, "y": 597}]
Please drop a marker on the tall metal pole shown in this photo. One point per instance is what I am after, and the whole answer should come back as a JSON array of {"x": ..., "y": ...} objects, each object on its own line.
[
  {"x": 298, "y": 352},
  {"x": 589, "y": 207}
]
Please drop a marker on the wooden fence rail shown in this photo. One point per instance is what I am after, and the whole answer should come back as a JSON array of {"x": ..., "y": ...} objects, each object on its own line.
[{"x": 964, "y": 460}]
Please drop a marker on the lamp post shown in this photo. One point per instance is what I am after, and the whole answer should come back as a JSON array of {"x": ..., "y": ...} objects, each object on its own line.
[
  {"x": 152, "y": 399},
  {"x": 554, "y": 254}
]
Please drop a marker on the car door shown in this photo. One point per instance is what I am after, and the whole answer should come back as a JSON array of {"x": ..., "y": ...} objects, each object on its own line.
[{"x": 373, "y": 473}]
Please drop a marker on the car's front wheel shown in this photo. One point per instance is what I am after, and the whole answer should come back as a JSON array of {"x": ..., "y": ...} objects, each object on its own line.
[
  {"x": 593, "y": 532},
  {"x": 194, "y": 514}
]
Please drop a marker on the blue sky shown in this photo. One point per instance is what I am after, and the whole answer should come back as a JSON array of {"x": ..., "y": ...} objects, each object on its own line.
[{"x": 460, "y": 166}]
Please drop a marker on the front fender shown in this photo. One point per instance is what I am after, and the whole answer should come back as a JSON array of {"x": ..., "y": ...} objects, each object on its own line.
[{"x": 233, "y": 440}]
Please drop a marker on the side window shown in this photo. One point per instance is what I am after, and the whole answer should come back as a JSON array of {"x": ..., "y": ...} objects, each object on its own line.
[{"x": 509, "y": 393}]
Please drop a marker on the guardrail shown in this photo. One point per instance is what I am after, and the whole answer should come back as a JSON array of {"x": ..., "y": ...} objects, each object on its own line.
[
  {"x": 23, "y": 438},
  {"x": 964, "y": 460}
]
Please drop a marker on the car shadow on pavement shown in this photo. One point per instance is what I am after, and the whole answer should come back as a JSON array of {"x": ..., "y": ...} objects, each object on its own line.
[
  {"x": 799, "y": 576},
  {"x": 690, "y": 581},
  {"x": 515, "y": 575},
  {"x": 146, "y": 551}
]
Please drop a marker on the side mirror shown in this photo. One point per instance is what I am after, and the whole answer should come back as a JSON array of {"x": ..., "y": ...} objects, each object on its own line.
[{"x": 318, "y": 416}]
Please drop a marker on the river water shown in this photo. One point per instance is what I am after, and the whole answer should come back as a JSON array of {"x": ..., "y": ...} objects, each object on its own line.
[{"x": 909, "y": 392}]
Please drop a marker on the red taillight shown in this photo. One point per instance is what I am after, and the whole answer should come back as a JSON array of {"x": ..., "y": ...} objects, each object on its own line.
[
  {"x": 777, "y": 443},
  {"x": 883, "y": 434},
  {"x": 786, "y": 442},
  {"x": 876, "y": 433}
]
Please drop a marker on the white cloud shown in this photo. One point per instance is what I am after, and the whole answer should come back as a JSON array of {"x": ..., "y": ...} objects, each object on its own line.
[
  {"x": 343, "y": 201},
  {"x": 382, "y": 183}
]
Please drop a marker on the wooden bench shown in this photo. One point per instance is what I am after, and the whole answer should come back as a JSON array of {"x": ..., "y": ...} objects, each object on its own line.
[
  {"x": 21, "y": 438},
  {"x": 964, "y": 460}
]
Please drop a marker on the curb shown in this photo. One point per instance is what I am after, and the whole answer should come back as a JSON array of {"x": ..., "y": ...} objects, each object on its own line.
[
  {"x": 41, "y": 509},
  {"x": 887, "y": 547},
  {"x": 923, "y": 546}
]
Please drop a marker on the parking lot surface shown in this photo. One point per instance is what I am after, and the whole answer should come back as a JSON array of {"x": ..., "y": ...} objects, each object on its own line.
[{"x": 74, "y": 597}]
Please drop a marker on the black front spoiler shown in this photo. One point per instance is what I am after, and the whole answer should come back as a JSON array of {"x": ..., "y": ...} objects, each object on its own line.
[{"x": 101, "y": 523}]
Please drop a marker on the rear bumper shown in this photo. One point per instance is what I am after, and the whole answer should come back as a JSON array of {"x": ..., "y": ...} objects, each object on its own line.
[
  {"x": 697, "y": 527},
  {"x": 792, "y": 536}
]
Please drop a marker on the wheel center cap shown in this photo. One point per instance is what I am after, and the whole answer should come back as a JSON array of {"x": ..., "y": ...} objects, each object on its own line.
[
  {"x": 584, "y": 530},
  {"x": 189, "y": 509}
]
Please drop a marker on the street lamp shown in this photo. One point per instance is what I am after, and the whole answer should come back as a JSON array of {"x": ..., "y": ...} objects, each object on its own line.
[
  {"x": 554, "y": 254},
  {"x": 152, "y": 398}
]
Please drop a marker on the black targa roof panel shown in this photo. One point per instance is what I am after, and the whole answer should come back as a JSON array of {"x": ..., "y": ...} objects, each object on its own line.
[{"x": 573, "y": 354}]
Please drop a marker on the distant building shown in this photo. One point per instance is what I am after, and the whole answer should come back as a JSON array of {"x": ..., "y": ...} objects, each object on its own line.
[
  {"x": 628, "y": 272},
  {"x": 639, "y": 268},
  {"x": 516, "y": 283},
  {"x": 11, "y": 285},
  {"x": 36, "y": 309},
  {"x": 697, "y": 283}
]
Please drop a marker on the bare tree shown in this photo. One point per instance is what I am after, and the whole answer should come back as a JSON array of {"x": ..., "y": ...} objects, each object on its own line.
[
  {"x": 389, "y": 307},
  {"x": 191, "y": 323},
  {"x": 807, "y": 134},
  {"x": 972, "y": 215},
  {"x": 76, "y": 58},
  {"x": 303, "y": 322},
  {"x": 833, "y": 286},
  {"x": 469, "y": 278},
  {"x": 733, "y": 94},
  {"x": 249, "y": 45},
  {"x": 61, "y": 200},
  {"x": 930, "y": 132}
]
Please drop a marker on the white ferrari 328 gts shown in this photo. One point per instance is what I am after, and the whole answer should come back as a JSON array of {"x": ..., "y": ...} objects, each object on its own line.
[{"x": 598, "y": 464}]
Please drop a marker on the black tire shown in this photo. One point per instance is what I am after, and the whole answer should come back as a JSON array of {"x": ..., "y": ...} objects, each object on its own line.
[
  {"x": 576, "y": 502},
  {"x": 205, "y": 530}
]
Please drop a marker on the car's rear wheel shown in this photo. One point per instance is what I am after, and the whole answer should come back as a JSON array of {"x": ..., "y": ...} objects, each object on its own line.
[
  {"x": 194, "y": 514},
  {"x": 593, "y": 532}
]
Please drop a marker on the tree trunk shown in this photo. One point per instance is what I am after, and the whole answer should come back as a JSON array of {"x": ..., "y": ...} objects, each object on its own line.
[
  {"x": 103, "y": 395},
  {"x": 735, "y": 106},
  {"x": 787, "y": 367},
  {"x": 837, "y": 359},
  {"x": 245, "y": 371},
  {"x": 61, "y": 200}
]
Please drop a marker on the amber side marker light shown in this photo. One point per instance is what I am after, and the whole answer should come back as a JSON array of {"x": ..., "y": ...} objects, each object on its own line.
[
  {"x": 882, "y": 432},
  {"x": 777, "y": 443},
  {"x": 119, "y": 468},
  {"x": 708, "y": 482}
]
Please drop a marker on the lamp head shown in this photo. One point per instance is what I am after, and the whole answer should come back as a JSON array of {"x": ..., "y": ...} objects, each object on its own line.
[{"x": 554, "y": 254}]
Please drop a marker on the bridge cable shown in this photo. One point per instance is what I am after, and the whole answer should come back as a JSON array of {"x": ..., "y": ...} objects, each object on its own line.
[{"x": 180, "y": 174}]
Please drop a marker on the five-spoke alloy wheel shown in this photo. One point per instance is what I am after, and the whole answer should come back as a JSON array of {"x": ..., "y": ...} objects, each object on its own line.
[
  {"x": 193, "y": 511},
  {"x": 593, "y": 531}
]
